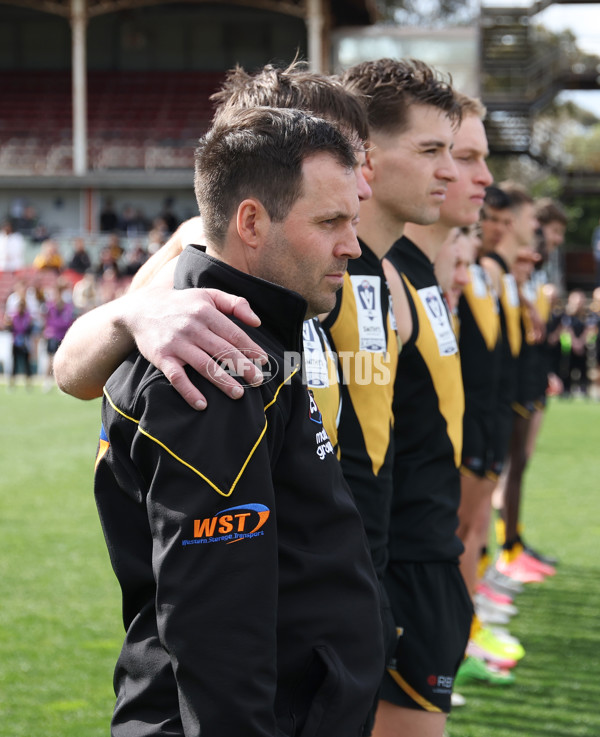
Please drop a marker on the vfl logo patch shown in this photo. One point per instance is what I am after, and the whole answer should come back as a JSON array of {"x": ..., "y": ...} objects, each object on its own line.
[
  {"x": 435, "y": 306},
  {"x": 243, "y": 522},
  {"x": 315, "y": 359},
  {"x": 366, "y": 296},
  {"x": 437, "y": 315},
  {"x": 478, "y": 281},
  {"x": 371, "y": 330}
]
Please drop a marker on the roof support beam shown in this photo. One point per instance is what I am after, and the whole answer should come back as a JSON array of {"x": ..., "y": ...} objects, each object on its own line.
[
  {"x": 79, "y": 75},
  {"x": 315, "y": 23}
]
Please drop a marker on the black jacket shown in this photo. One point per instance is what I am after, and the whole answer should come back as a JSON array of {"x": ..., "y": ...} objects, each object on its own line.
[{"x": 249, "y": 598}]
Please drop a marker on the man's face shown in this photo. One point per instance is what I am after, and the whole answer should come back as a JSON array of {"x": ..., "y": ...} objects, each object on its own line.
[
  {"x": 466, "y": 247},
  {"x": 525, "y": 224},
  {"x": 308, "y": 252},
  {"x": 452, "y": 264},
  {"x": 364, "y": 189},
  {"x": 554, "y": 235},
  {"x": 495, "y": 224},
  {"x": 465, "y": 196},
  {"x": 409, "y": 172}
]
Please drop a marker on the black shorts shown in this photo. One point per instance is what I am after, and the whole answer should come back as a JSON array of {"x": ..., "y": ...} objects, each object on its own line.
[
  {"x": 433, "y": 613},
  {"x": 502, "y": 432},
  {"x": 524, "y": 408},
  {"x": 478, "y": 449}
]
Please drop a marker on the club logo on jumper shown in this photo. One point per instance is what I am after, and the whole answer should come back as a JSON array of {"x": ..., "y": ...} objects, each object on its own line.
[
  {"x": 478, "y": 281},
  {"x": 231, "y": 525},
  {"x": 439, "y": 319},
  {"x": 371, "y": 330},
  {"x": 440, "y": 684},
  {"x": 315, "y": 358},
  {"x": 511, "y": 290},
  {"x": 366, "y": 295},
  {"x": 435, "y": 306}
]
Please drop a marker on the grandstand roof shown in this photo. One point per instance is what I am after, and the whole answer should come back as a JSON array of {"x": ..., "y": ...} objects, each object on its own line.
[{"x": 343, "y": 12}]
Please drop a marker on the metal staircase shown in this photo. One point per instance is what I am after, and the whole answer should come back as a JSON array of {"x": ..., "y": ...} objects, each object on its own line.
[{"x": 521, "y": 76}]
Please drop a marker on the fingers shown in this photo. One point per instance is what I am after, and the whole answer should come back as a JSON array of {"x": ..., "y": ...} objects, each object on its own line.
[
  {"x": 210, "y": 362},
  {"x": 177, "y": 376},
  {"x": 224, "y": 340},
  {"x": 173, "y": 368},
  {"x": 232, "y": 305},
  {"x": 192, "y": 326}
]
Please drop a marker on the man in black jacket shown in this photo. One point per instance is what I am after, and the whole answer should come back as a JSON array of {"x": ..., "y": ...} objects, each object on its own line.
[{"x": 249, "y": 598}]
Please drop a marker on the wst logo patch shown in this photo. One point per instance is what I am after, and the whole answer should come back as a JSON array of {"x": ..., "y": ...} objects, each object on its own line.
[{"x": 231, "y": 525}]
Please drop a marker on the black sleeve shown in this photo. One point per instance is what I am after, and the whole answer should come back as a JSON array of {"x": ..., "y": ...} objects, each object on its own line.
[{"x": 211, "y": 509}]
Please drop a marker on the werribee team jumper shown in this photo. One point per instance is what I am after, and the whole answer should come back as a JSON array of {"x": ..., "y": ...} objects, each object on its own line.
[
  {"x": 360, "y": 327},
  {"x": 410, "y": 110}
]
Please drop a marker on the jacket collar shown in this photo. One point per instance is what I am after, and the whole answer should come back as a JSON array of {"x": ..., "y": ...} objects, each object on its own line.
[{"x": 280, "y": 310}]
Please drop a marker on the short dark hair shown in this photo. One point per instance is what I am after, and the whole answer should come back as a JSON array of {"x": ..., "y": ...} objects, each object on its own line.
[
  {"x": 549, "y": 211},
  {"x": 259, "y": 153},
  {"x": 391, "y": 86},
  {"x": 517, "y": 193},
  {"x": 496, "y": 198},
  {"x": 294, "y": 86}
]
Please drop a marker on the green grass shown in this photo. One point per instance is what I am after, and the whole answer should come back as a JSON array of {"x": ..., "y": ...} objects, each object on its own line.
[
  {"x": 60, "y": 627},
  {"x": 555, "y": 693}
]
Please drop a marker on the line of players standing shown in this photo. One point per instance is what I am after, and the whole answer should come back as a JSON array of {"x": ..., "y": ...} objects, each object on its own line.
[{"x": 501, "y": 298}]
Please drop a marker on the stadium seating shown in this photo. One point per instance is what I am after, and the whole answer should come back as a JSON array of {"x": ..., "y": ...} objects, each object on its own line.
[{"x": 128, "y": 113}]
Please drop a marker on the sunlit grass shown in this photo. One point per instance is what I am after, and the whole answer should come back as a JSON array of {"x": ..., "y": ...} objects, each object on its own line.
[
  {"x": 557, "y": 681},
  {"x": 60, "y": 630},
  {"x": 60, "y": 627}
]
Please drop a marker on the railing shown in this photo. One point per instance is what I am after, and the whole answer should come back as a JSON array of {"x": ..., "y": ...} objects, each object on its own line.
[{"x": 522, "y": 72}]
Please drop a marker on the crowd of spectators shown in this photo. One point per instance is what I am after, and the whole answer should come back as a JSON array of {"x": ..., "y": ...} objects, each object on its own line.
[
  {"x": 574, "y": 342},
  {"x": 89, "y": 277},
  {"x": 40, "y": 300}
]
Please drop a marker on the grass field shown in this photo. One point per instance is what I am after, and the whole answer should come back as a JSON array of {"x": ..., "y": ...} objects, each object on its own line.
[{"x": 60, "y": 628}]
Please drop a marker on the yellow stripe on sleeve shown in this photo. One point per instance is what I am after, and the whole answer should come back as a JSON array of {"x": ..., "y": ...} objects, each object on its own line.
[{"x": 225, "y": 493}]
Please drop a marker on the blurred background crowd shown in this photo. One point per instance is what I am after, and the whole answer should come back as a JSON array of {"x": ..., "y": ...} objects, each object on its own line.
[{"x": 48, "y": 280}]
